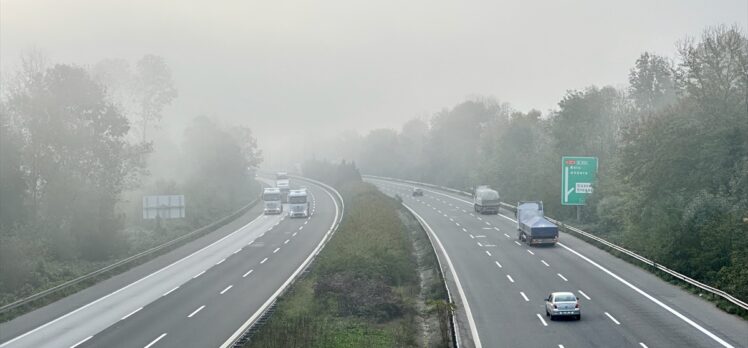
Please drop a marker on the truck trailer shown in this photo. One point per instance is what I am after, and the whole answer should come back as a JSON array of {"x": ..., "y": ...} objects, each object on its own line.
[
  {"x": 486, "y": 200},
  {"x": 532, "y": 226}
]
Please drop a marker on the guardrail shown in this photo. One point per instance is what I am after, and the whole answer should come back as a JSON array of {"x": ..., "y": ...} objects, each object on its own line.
[
  {"x": 128, "y": 260},
  {"x": 565, "y": 227}
]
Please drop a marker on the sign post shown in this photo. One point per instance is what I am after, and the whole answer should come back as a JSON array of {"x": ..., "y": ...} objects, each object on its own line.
[{"x": 578, "y": 175}]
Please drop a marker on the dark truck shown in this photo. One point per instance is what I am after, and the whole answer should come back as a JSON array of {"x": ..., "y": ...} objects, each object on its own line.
[{"x": 532, "y": 227}]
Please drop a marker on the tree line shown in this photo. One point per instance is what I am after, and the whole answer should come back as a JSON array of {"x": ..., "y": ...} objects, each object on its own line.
[
  {"x": 75, "y": 161},
  {"x": 672, "y": 148}
]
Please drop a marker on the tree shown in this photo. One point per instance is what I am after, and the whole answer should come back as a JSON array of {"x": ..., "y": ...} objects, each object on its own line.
[
  {"x": 155, "y": 89},
  {"x": 652, "y": 83}
]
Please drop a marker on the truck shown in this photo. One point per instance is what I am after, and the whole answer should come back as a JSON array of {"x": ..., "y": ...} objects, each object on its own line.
[
  {"x": 271, "y": 196},
  {"x": 486, "y": 200},
  {"x": 298, "y": 203},
  {"x": 532, "y": 226},
  {"x": 282, "y": 183}
]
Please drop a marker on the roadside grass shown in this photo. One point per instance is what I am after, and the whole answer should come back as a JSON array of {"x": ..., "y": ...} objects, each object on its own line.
[{"x": 363, "y": 289}]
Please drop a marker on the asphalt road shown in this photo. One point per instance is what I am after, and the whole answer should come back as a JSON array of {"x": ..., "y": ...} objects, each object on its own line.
[
  {"x": 503, "y": 284},
  {"x": 196, "y": 296}
]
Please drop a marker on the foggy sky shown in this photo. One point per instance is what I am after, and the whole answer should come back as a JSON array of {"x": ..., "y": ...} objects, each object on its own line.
[{"x": 342, "y": 64}]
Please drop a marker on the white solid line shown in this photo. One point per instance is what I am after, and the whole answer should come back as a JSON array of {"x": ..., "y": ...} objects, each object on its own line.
[
  {"x": 507, "y": 235},
  {"x": 562, "y": 277},
  {"x": 170, "y": 291},
  {"x": 220, "y": 262},
  {"x": 227, "y": 289},
  {"x": 498, "y": 264},
  {"x": 237, "y": 250},
  {"x": 286, "y": 242},
  {"x": 195, "y": 311},
  {"x": 545, "y": 263},
  {"x": 516, "y": 242},
  {"x": 488, "y": 253},
  {"x": 199, "y": 274},
  {"x": 541, "y": 320},
  {"x": 613, "y": 319},
  {"x": 524, "y": 296},
  {"x": 276, "y": 250},
  {"x": 651, "y": 298},
  {"x": 530, "y": 251},
  {"x": 131, "y": 313},
  {"x": 248, "y": 273},
  {"x": 643, "y": 345},
  {"x": 81, "y": 341},
  {"x": 156, "y": 340},
  {"x": 263, "y": 260},
  {"x": 585, "y": 295},
  {"x": 510, "y": 278}
]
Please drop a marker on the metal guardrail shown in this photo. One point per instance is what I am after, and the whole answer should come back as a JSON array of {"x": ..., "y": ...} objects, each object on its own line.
[
  {"x": 684, "y": 278},
  {"x": 131, "y": 259}
]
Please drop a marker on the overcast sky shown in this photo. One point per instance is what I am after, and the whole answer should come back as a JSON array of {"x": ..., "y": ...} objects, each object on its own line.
[{"x": 348, "y": 64}]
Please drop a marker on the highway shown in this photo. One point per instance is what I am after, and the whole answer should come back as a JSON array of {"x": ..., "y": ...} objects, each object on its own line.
[
  {"x": 502, "y": 285},
  {"x": 198, "y": 295}
]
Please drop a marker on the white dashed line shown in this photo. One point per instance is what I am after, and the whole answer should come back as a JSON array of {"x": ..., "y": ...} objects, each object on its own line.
[
  {"x": 237, "y": 250},
  {"x": 545, "y": 263},
  {"x": 472, "y": 237},
  {"x": 488, "y": 253},
  {"x": 510, "y": 278},
  {"x": 496, "y": 228},
  {"x": 227, "y": 289},
  {"x": 541, "y": 320},
  {"x": 301, "y": 227},
  {"x": 479, "y": 244},
  {"x": 199, "y": 274},
  {"x": 562, "y": 277},
  {"x": 195, "y": 312},
  {"x": 286, "y": 242},
  {"x": 451, "y": 219},
  {"x": 560, "y": 346},
  {"x": 294, "y": 234},
  {"x": 516, "y": 242},
  {"x": 156, "y": 340},
  {"x": 131, "y": 313},
  {"x": 524, "y": 296},
  {"x": 643, "y": 345},
  {"x": 81, "y": 342},
  {"x": 220, "y": 262},
  {"x": 276, "y": 250},
  {"x": 506, "y": 235},
  {"x": 170, "y": 291},
  {"x": 479, "y": 218},
  {"x": 613, "y": 319},
  {"x": 464, "y": 211},
  {"x": 487, "y": 223},
  {"x": 250, "y": 243},
  {"x": 263, "y": 260},
  {"x": 530, "y": 251},
  {"x": 457, "y": 223},
  {"x": 306, "y": 222},
  {"x": 248, "y": 273},
  {"x": 464, "y": 230},
  {"x": 498, "y": 264},
  {"x": 585, "y": 295}
]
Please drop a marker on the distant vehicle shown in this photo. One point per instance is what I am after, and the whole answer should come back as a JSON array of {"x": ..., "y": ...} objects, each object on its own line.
[
  {"x": 562, "y": 304},
  {"x": 486, "y": 200},
  {"x": 532, "y": 227},
  {"x": 272, "y": 198},
  {"x": 282, "y": 183},
  {"x": 298, "y": 203},
  {"x": 417, "y": 192}
]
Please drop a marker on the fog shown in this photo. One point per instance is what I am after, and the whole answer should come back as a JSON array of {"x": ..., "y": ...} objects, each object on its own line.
[{"x": 287, "y": 68}]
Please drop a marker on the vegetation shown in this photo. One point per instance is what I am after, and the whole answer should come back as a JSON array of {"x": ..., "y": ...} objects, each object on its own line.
[
  {"x": 672, "y": 148},
  {"x": 363, "y": 287},
  {"x": 73, "y": 174}
]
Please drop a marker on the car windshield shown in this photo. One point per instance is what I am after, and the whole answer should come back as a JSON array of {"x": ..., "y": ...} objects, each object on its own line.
[{"x": 564, "y": 298}]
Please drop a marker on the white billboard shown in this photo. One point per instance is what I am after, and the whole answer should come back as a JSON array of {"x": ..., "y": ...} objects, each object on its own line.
[{"x": 164, "y": 207}]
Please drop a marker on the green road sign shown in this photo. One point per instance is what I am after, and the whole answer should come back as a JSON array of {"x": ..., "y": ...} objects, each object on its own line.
[{"x": 578, "y": 174}]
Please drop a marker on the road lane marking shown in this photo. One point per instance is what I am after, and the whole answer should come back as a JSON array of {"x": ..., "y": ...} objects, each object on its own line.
[
  {"x": 545, "y": 263},
  {"x": 294, "y": 234},
  {"x": 464, "y": 211},
  {"x": 131, "y": 313},
  {"x": 457, "y": 223},
  {"x": 486, "y": 228},
  {"x": 195, "y": 311},
  {"x": 464, "y": 230},
  {"x": 451, "y": 219},
  {"x": 497, "y": 229},
  {"x": 479, "y": 218},
  {"x": 199, "y": 274},
  {"x": 471, "y": 214},
  {"x": 541, "y": 319},
  {"x": 286, "y": 242},
  {"x": 487, "y": 223},
  {"x": 301, "y": 227},
  {"x": 488, "y": 253},
  {"x": 237, "y": 250},
  {"x": 276, "y": 250},
  {"x": 562, "y": 277},
  {"x": 156, "y": 340},
  {"x": 516, "y": 242},
  {"x": 585, "y": 295},
  {"x": 479, "y": 244},
  {"x": 472, "y": 237},
  {"x": 643, "y": 345},
  {"x": 507, "y": 235},
  {"x": 524, "y": 296},
  {"x": 489, "y": 245},
  {"x": 263, "y": 260},
  {"x": 170, "y": 291},
  {"x": 560, "y": 346},
  {"x": 82, "y": 341},
  {"x": 613, "y": 319},
  {"x": 220, "y": 262},
  {"x": 250, "y": 242},
  {"x": 227, "y": 289},
  {"x": 306, "y": 222},
  {"x": 530, "y": 251},
  {"x": 248, "y": 273},
  {"x": 510, "y": 278},
  {"x": 498, "y": 264}
]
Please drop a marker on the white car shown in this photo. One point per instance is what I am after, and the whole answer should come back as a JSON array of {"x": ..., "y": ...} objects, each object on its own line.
[{"x": 562, "y": 304}]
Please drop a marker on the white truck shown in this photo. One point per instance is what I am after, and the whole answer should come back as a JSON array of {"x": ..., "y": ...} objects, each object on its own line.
[
  {"x": 282, "y": 183},
  {"x": 272, "y": 198},
  {"x": 298, "y": 203},
  {"x": 486, "y": 200}
]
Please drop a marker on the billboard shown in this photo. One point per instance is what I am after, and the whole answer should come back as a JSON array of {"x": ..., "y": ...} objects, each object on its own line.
[{"x": 164, "y": 207}]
